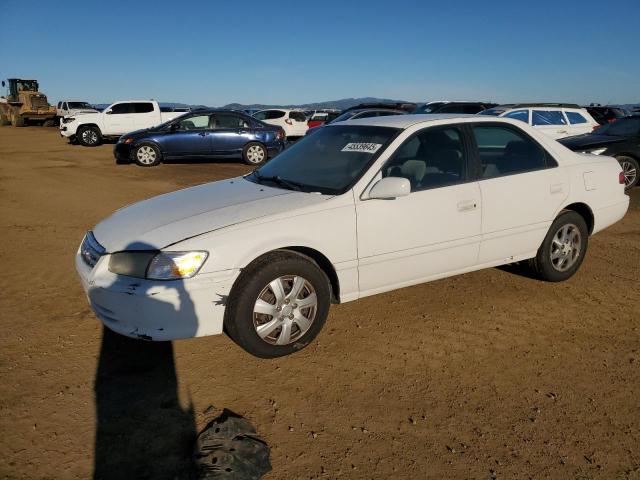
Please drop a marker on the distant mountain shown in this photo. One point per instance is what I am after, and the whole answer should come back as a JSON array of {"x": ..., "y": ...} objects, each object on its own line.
[{"x": 341, "y": 104}]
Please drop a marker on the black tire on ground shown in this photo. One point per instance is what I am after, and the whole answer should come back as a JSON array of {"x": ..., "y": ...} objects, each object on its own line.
[
  {"x": 89, "y": 136},
  {"x": 49, "y": 123},
  {"x": 4, "y": 120},
  {"x": 147, "y": 155},
  {"x": 256, "y": 279},
  {"x": 563, "y": 249},
  {"x": 254, "y": 153},
  {"x": 631, "y": 168}
]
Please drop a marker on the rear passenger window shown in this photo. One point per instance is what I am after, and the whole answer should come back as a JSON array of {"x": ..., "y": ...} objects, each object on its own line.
[
  {"x": 547, "y": 117},
  {"x": 522, "y": 115},
  {"x": 575, "y": 118},
  {"x": 505, "y": 151},
  {"x": 431, "y": 158},
  {"x": 142, "y": 107},
  {"x": 298, "y": 116},
  {"x": 229, "y": 121}
]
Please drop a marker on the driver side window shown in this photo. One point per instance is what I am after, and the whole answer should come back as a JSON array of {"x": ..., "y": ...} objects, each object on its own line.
[
  {"x": 197, "y": 122},
  {"x": 431, "y": 158}
]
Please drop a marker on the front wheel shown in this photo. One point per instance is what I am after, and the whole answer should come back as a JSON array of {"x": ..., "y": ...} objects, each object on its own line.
[
  {"x": 147, "y": 155},
  {"x": 278, "y": 305},
  {"x": 630, "y": 168},
  {"x": 254, "y": 154},
  {"x": 563, "y": 249},
  {"x": 89, "y": 136}
]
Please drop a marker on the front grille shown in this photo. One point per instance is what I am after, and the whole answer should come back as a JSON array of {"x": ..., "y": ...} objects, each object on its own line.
[
  {"x": 91, "y": 250},
  {"x": 39, "y": 101}
]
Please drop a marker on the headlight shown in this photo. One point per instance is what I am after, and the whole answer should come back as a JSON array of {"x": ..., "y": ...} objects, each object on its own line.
[
  {"x": 68, "y": 119},
  {"x": 157, "y": 265},
  {"x": 597, "y": 151}
]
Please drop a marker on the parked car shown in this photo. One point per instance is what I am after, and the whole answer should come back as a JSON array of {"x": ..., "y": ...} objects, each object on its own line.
[
  {"x": 470, "y": 108},
  {"x": 604, "y": 115},
  {"x": 202, "y": 134},
  {"x": 90, "y": 129},
  {"x": 620, "y": 140},
  {"x": 73, "y": 107},
  {"x": 363, "y": 113},
  {"x": 294, "y": 122},
  {"x": 407, "y": 107},
  {"x": 356, "y": 209},
  {"x": 320, "y": 118},
  {"x": 557, "y": 120}
]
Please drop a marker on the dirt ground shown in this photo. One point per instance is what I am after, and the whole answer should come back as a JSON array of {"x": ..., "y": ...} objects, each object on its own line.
[{"x": 486, "y": 375}]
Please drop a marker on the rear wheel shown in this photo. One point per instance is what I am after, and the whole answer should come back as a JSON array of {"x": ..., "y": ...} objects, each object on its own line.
[
  {"x": 563, "y": 249},
  {"x": 278, "y": 305},
  {"x": 4, "y": 120},
  {"x": 630, "y": 168},
  {"x": 49, "y": 123},
  {"x": 254, "y": 153},
  {"x": 147, "y": 155},
  {"x": 89, "y": 136}
]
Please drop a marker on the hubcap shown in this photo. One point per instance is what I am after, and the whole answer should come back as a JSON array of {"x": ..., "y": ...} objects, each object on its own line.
[
  {"x": 565, "y": 247},
  {"x": 146, "y": 155},
  {"x": 629, "y": 171},
  {"x": 285, "y": 310},
  {"x": 255, "y": 154},
  {"x": 89, "y": 136}
]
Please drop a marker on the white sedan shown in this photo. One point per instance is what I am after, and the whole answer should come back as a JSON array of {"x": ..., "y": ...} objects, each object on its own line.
[{"x": 359, "y": 208}]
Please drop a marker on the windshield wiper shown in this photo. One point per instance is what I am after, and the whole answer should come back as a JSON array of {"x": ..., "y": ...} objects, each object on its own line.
[{"x": 280, "y": 181}]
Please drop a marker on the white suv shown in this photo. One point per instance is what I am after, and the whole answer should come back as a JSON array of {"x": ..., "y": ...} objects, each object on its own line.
[
  {"x": 557, "y": 120},
  {"x": 293, "y": 122}
]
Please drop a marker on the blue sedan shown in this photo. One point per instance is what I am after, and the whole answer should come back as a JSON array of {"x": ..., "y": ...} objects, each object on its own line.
[{"x": 202, "y": 134}]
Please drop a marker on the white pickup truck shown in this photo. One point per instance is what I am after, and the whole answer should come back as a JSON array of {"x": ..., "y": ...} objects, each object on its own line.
[
  {"x": 89, "y": 129},
  {"x": 69, "y": 108}
]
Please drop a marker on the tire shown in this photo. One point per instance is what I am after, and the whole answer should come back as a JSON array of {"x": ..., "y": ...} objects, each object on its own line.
[
  {"x": 631, "y": 168},
  {"x": 147, "y": 155},
  {"x": 89, "y": 136},
  {"x": 291, "y": 326},
  {"x": 254, "y": 153},
  {"x": 49, "y": 123},
  {"x": 563, "y": 249},
  {"x": 4, "y": 120}
]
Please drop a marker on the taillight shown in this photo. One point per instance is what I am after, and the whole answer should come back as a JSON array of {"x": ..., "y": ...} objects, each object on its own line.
[
  {"x": 621, "y": 178},
  {"x": 280, "y": 135}
]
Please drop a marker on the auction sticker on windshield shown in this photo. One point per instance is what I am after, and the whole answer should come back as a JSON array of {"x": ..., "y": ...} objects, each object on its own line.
[{"x": 362, "y": 147}]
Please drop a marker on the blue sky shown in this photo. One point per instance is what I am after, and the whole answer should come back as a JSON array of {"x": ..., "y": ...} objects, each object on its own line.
[{"x": 215, "y": 52}]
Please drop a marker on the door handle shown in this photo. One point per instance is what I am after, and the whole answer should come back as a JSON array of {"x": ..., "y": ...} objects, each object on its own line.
[
  {"x": 466, "y": 205},
  {"x": 557, "y": 188},
  {"x": 202, "y": 134},
  {"x": 242, "y": 132}
]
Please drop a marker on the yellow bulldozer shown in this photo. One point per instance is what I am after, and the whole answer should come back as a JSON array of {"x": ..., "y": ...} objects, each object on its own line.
[{"x": 25, "y": 104}]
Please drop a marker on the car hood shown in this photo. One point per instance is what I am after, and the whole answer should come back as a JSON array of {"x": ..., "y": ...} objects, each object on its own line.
[
  {"x": 589, "y": 140},
  {"x": 82, "y": 112},
  {"x": 167, "y": 219}
]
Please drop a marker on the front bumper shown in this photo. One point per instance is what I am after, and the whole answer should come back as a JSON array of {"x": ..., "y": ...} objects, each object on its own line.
[
  {"x": 122, "y": 152},
  {"x": 156, "y": 310}
]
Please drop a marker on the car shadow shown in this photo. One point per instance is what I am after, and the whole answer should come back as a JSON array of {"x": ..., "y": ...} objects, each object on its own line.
[
  {"x": 520, "y": 269},
  {"x": 142, "y": 431}
]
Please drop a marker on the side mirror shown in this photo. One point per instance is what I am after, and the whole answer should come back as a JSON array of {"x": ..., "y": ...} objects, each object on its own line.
[
  {"x": 3, "y": 83},
  {"x": 174, "y": 126},
  {"x": 108, "y": 112},
  {"x": 389, "y": 188}
]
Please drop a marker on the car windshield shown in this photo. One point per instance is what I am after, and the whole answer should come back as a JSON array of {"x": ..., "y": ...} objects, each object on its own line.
[
  {"x": 328, "y": 162},
  {"x": 625, "y": 127},
  {"x": 79, "y": 105}
]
